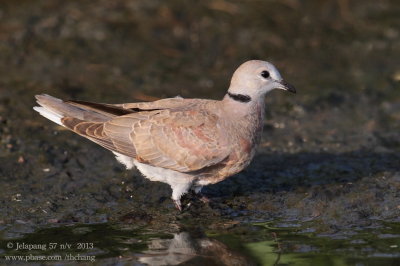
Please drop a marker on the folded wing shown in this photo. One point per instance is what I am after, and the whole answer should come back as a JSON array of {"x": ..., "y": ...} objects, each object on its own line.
[
  {"x": 181, "y": 141},
  {"x": 169, "y": 133}
]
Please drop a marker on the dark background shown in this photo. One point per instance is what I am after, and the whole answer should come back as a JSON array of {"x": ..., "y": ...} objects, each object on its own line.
[{"x": 329, "y": 154}]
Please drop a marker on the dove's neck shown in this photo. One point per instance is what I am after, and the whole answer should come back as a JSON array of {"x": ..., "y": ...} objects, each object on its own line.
[
  {"x": 243, "y": 107},
  {"x": 245, "y": 118},
  {"x": 242, "y": 98}
]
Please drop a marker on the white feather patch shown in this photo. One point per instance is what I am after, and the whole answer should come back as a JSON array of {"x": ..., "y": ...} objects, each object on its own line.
[
  {"x": 125, "y": 160},
  {"x": 56, "y": 118}
]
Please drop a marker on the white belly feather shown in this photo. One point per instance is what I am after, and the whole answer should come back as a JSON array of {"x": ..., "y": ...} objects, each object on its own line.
[{"x": 179, "y": 182}]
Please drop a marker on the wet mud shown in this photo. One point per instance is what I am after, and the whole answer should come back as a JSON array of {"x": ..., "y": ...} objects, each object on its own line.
[{"x": 323, "y": 188}]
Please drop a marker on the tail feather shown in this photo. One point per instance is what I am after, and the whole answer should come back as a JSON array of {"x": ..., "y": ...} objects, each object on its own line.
[
  {"x": 56, "y": 107},
  {"x": 55, "y": 117},
  {"x": 86, "y": 119}
]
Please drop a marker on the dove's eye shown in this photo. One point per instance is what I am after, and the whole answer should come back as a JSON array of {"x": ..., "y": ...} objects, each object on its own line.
[{"x": 265, "y": 74}]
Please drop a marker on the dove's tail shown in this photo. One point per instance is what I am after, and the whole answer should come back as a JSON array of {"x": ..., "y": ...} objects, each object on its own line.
[
  {"x": 55, "y": 110},
  {"x": 84, "y": 118}
]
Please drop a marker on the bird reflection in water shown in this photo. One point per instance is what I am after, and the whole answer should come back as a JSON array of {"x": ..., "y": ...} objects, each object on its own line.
[{"x": 184, "y": 249}]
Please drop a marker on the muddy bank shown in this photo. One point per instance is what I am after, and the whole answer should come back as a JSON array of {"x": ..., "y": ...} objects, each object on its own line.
[{"x": 329, "y": 157}]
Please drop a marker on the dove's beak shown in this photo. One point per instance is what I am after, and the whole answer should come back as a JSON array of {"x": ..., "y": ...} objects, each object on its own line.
[{"x": 286, "y": 86}]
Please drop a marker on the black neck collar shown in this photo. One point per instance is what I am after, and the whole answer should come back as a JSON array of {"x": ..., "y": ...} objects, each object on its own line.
[{"x": 239, "y": 97}]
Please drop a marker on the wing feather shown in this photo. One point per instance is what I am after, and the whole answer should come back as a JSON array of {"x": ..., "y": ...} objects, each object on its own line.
[{"x": 183, "y": 140}]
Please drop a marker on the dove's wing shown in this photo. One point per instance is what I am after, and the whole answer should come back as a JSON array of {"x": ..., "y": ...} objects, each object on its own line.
[
  {"x": 182, "y": 141},
  {"x": 178, "y": 134},
  {"x": 168, "y": 103}
]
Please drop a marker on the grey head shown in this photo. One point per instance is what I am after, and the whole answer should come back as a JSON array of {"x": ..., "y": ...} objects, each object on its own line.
[{"x": 253, "y": 79}]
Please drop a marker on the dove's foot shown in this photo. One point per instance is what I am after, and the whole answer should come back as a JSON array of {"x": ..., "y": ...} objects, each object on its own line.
[
  {"x": 203, "y": 198},
  {"x": 199, "y": 195},
  {"x": 178, "y": 205}
]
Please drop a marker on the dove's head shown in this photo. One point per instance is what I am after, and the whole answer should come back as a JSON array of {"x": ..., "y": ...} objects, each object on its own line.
[{"x": 253, "y": 79}]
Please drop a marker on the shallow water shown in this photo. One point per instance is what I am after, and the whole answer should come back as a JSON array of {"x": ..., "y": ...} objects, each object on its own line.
[
  {"x": 267, "y": 243},
  {"x": 322, "y": 190}
]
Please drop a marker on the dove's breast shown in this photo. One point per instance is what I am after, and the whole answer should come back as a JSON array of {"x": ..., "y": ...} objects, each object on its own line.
[{"x": 244, "y": 136}]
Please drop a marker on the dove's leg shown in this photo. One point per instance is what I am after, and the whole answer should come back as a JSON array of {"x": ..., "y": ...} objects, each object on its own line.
[
  {"x": 197, "y": 190},
  {"x": 178, "y": 189},
  {"x": 180, "y": 182}
]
